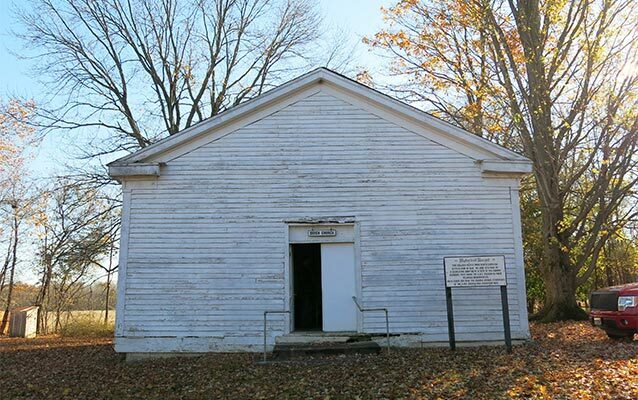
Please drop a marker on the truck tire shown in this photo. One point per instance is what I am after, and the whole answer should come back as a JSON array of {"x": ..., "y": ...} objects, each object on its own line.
[{"x": 628, "y": 336}]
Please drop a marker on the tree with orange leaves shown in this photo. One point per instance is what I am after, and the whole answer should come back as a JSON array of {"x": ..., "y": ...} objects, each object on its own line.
[
  {"x": 556, "y": 80},
  {"x": 442, "y": 56}
]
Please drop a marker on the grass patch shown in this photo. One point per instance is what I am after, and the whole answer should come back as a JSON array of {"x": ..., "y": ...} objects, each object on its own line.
[{"x": 86, "y": 326}]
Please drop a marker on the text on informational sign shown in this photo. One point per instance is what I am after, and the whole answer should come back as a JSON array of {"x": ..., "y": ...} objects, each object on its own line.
[{"x": 475, "y": 271}]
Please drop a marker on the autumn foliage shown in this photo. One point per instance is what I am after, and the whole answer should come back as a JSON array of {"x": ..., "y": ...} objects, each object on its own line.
[
  {"x": 565, "y": 361},
  {"x": 441, "y": 53},
  {"x": 556, "y": 81},
  {"x": 16, "y": 134}
]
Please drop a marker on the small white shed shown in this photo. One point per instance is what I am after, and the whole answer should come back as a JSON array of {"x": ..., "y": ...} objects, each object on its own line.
[
  {"x": 24, "y": 322},
  {"x": 317, "y": 192}
]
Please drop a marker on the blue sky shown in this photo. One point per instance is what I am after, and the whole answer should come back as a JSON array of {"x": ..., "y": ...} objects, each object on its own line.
[
  {"x": 359, "y": 17},
  {"x": 356, "y": 18}
]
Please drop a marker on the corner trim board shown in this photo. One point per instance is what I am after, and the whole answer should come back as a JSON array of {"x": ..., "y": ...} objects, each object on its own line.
[{"x": 123, "y": 256}]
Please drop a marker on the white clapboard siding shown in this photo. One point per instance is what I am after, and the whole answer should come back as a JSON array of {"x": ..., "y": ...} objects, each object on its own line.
[{"x": 207, "y": 239}]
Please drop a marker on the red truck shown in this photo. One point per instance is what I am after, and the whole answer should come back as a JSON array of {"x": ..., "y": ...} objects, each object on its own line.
[{"x": 615, "y": 310}]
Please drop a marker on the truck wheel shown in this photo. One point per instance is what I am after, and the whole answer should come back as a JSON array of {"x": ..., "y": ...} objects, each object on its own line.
[{"x": 621, "y": 336}]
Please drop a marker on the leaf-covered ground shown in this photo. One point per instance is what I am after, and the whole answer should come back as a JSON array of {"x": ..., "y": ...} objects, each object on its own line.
[{"x": 565, "y": 361}]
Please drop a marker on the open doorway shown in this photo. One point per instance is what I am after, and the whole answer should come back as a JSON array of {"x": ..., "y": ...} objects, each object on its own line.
[{"x": 306, "y": 272}]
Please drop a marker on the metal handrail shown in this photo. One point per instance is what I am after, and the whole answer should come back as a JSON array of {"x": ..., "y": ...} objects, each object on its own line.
[
  {"x": 387, "y": 320},
  {"x": 265, "y": 322}
]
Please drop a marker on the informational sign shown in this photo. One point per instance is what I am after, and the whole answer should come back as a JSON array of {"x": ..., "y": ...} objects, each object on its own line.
[
  {"x": 322, "y": 232},
  {"x": 475, "y": 271}
]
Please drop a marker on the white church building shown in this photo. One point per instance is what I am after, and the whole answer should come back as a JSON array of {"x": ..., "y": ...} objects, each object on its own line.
[{"x": 303, "y": 200}]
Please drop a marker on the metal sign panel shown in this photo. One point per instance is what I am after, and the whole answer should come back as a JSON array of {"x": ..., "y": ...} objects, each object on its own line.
[{"x": 475, "y": 271}]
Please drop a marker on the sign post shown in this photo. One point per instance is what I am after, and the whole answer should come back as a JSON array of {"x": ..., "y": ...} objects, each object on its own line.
[
  {"x": 473, "y": 271},
  {"x": 450, "y": 317},
  {"x": 506, "y": 318}
]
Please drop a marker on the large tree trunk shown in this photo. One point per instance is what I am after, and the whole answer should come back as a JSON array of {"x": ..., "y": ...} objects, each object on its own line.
[
  {"x": 560, "y": 301},
  {"x": 560, "y": 286}
]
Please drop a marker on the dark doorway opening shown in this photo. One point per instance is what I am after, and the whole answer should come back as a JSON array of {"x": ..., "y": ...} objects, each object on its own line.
[{"x": 306, "y": 273}]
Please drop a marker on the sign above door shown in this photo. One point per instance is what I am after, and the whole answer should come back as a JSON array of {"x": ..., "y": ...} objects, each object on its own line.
[
  {"x": 314, "y": 232},
  {"x": 329, "y": 233}
]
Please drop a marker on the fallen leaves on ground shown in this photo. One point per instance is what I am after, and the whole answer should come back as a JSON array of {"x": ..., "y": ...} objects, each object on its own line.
[{"x": 564, "y": 361}]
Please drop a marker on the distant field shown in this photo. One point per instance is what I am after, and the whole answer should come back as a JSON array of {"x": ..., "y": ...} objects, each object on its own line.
[{"x": 85, "y": 316}]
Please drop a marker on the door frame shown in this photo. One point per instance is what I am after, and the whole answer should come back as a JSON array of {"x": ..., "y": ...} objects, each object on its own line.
[{"x": 353, "y": 236}]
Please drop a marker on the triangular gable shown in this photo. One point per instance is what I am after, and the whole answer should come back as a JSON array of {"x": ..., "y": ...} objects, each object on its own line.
[{"x": 494, "y": 159}]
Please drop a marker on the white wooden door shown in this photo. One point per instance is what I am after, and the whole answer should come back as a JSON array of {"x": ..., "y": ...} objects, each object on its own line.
[{"x": 338, "y": 287}]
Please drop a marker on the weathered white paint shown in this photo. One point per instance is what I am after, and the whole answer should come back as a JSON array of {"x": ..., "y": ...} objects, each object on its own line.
[
  {"x": 506, "y": 166},
  {"x": 134, "y": 170},
  {"x": 214, "y": 128},
  {"x": 338, "y": 287},
  {"x": 205, "y": 246},
  {"x": 419, "y": 122},
  {"x": 123, "y": 260}
]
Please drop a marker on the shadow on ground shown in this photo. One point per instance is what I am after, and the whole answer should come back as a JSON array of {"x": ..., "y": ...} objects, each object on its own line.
[{"x": 566, "y": 360}]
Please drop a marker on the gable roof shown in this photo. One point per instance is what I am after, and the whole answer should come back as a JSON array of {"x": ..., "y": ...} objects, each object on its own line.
[{"x": 494, "y": 158}]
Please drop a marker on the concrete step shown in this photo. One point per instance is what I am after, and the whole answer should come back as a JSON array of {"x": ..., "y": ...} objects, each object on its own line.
[
  {"x": 288, "y": 351},
  {"x": 320, "y": 337}
]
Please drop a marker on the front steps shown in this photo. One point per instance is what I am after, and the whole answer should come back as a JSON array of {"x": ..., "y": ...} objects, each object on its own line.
[{"x": 318, "y": 344}]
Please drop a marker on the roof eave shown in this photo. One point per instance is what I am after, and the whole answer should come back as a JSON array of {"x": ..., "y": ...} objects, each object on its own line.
[
  {"x": 505, "y": 168},
  {"x": 221, "y": 119},
  {"x": 122, "y": 171},
  {"x": 414, "y": 113},
  {"x": 301, "y": 83}
]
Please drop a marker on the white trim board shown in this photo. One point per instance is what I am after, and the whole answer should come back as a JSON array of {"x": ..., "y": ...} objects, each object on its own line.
[{"x": 123, "y": 258}]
